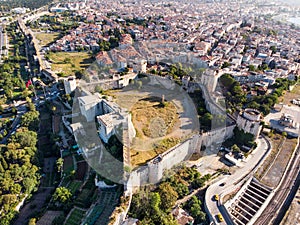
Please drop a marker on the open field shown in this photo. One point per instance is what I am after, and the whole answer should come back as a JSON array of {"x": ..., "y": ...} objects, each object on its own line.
[
  {"x": 68, "y": 165},
  {"x": 156, "y": 125},
  {"x": 74, "y": 185},
  {"x": 46, "y": 38},
  {"x": 66, "y": 63},
  {"x": 290, "y": 95}
]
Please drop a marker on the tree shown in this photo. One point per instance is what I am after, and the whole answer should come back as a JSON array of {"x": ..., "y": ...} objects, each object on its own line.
[
  {"x": 236, "y": 148},
  {"x": 169, "y": 196},
  {"x": 26, "y": 138},
  {"x": 32, "y": 221},
  {"x": 98, "y": 89},
  {"x": 206, "y": 119},
  {"x": 59, "y": 164},
  {"x": 251, "y": 68},
  {"x": 227, "y": 80},
  {"x": 202, "y": 216},
  {"x": 30, "y": 120},
  {"x": 62, "y": 194},
  {"x": 225, "y": 65}
]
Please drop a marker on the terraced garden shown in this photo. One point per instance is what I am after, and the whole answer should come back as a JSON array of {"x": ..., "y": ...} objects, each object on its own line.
[
  {"x": 74, "y": 185},
  {"x": 103, "y": 208},
  {"x": 75, "y": 217}
]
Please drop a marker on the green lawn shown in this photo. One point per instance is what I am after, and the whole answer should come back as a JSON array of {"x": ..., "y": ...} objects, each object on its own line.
[{"x": 66, "y": 63}]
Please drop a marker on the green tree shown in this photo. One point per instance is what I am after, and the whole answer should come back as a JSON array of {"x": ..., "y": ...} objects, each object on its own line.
[
  {"x": 251, "y": 68},
  {"x": 62, "y": 194},
  {"x": 26, "y": 138},
  {"x": 59, "y": 164},
  {"x": 169, "y": 196},
  {"x": 32, "y": 221},
  {"x": 236, "y": 148},
  {"x": 30, "y": 120}
]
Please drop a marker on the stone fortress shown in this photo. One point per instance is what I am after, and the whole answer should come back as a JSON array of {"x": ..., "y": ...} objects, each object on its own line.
[{"x": 110, "y": 116}]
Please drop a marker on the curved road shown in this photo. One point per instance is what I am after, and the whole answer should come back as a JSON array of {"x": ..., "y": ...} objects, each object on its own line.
[{"x": 233, "y": 182}]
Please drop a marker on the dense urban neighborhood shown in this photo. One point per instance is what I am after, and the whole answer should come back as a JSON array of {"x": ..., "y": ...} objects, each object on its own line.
[{"x": 149, "y": 113}]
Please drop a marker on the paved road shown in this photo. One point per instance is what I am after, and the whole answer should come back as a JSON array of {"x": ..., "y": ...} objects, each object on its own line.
[{"x": 232, "y": 182}]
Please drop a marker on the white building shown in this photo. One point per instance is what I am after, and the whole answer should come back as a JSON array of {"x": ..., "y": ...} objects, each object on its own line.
[
  {"x": 90, "y": 106},
  {"x": 112, "y": 119},
  {"x": 70, "y": 84},
  {"x": 250, "y": 121}
]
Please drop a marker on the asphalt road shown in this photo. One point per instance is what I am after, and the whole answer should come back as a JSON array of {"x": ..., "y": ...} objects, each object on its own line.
[{"x": 232, "y": 182}]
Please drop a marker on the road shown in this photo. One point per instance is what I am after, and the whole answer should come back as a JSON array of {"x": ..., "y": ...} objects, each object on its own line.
[
  {"x": 232, "y": 182},
  {"x": 21, "y": 110},
  {"x": 284, "y": 195},
  {"x": 2, "y": 43}
]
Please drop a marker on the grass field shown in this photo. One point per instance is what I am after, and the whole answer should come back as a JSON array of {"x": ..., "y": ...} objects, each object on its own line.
[
  {"x": 66, "y": 63},
  {"x": 46, "y": 38},
  {"x": 68, "y": 165}
]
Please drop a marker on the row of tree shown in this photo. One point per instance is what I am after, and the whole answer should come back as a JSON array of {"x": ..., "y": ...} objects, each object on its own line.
[
  {"x": 11, "y": 72},
  {"x": 19, "y": 172}
]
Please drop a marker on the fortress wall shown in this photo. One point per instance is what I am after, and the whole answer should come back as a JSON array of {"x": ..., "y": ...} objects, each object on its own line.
[
  {"x": 137, "y": 178},
  {"x": 177, "y": 155},
  {"x": 153, "y": 171},
  {"x": 217, "y": 136}
]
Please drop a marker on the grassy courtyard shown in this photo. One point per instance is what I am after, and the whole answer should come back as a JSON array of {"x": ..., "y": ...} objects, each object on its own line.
[
  {"x": 152, "y": 118},
  {"x": 155, "y": 123},
  {"x": 67, "y": 63}
]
